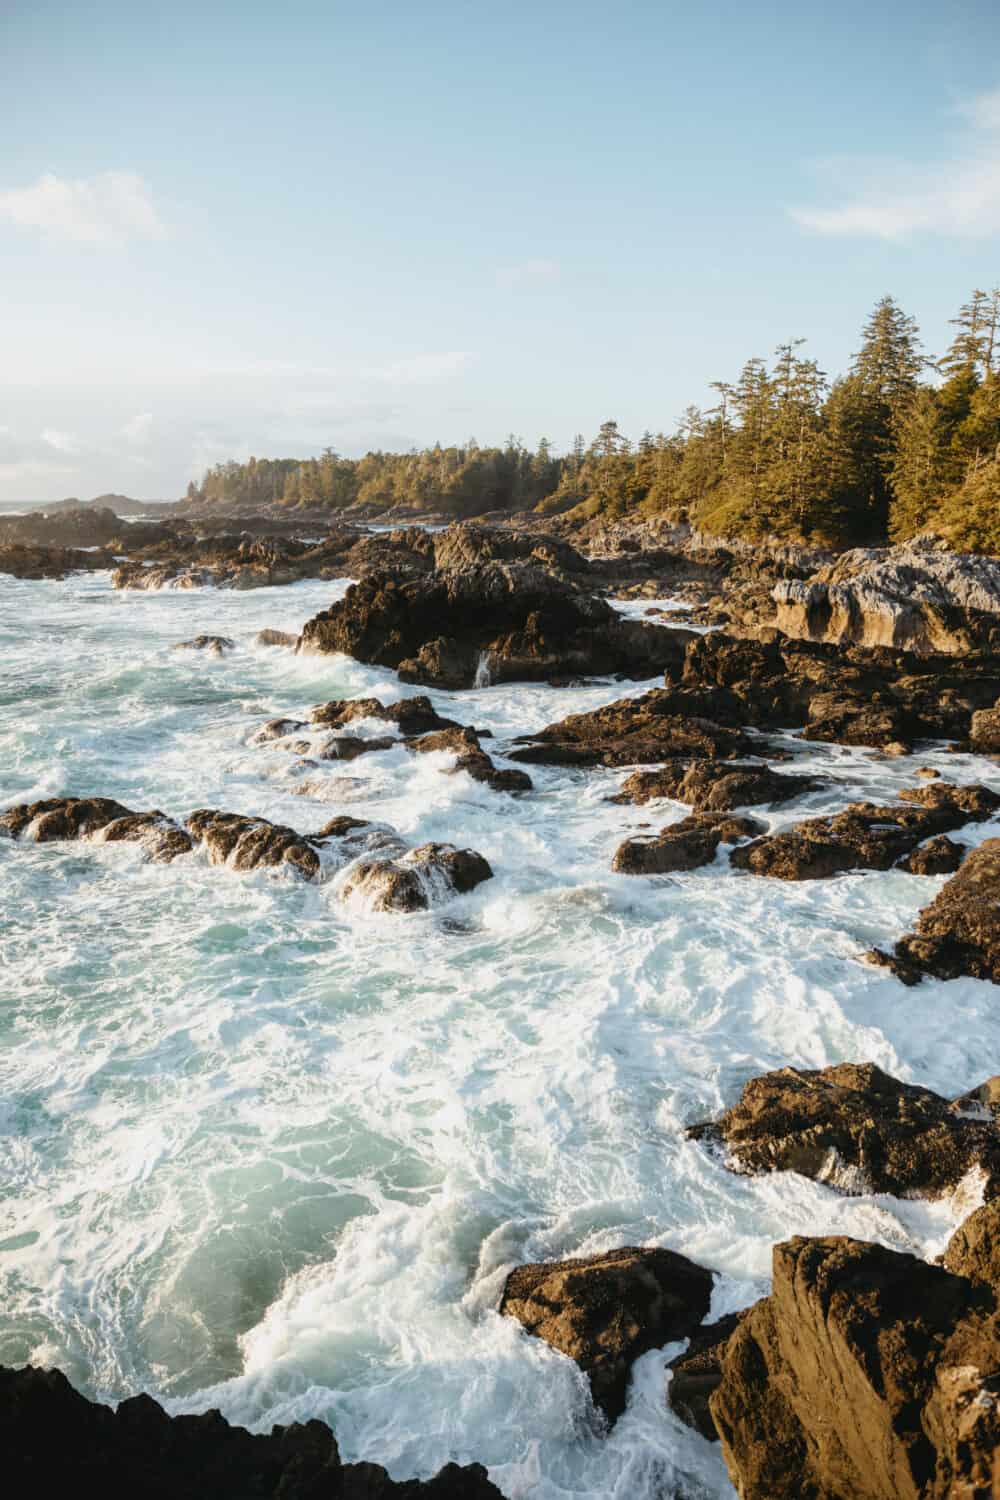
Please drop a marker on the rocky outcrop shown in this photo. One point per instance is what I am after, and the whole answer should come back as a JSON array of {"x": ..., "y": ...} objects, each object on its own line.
[
  {"x": 632, "y": 731},
  {"x": 57, "y": 1443},
  {"x": 490, "y": 622},
  {"x": 467, "y": 545},
  {"x": 974, "y": 1248},
  {"x": 606, "y": 1310},
  {"x": 697, "y": 1373},
  {"x": 416, "y": 880},
  {"x": 275, "y": 638},
  {"x": 713, "y": 786},
  {"x": 246, "y": 843},
  {"x": 471, "y": 758},
  {"x": 80, "y": 526},
  {"x": 23, "y": 560},
  {"x": 985, "y": 731},
  {"x": 416, "y": 715},
  {"x": 865, "y": 1375},
  {"x": 98, "y": 819},
  {"x": 858, "y": 1129},
  {"x": 867, "y": 836},
  {"x": 959, "y": 932},
  {"x": 685, "y": 845},
  {"x": 916, "y": 597}
]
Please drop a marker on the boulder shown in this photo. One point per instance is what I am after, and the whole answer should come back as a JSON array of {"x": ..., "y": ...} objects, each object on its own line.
[
  {"x": 865, "y": 1375},
  {"x": 246, "y": 843},
  {"x": 682, "y": 846},
  {"x": 416, "y": 715},
  {"x": 98, "y": 819},
  {"x": 858, "y": 1129},
  {"x": 606, "y": 1310},
  {"x": 939, "y": 856},
  {"x": 416, "y": 880},
  {"x": 632, "y": 731},
  {"x": 57, "y": 1443},
  {"x": 974, "y": 1248},
  {"x": 959, "y": 932},
  {"x": 214, "y": 645},
  {"x": 275, "y": 638},
  {"x": 711, "y": 786},
  {"x": 985, "y": 731}
]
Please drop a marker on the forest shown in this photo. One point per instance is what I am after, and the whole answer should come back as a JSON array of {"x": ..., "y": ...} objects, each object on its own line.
[{"x": 901, "y": 443}]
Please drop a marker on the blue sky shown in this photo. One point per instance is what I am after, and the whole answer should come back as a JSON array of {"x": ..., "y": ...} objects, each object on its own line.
[{"x": 236, "y": 228}]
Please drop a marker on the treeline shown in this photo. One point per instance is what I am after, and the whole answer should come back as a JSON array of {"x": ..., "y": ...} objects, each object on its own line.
[{"x": 900, "y": 442}]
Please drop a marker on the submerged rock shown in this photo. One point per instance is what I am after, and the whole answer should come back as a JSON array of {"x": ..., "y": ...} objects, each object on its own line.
[
  {"x": 270, "y": 637},
  {"x": 471, "y": 758},
  {"x": 417, "y": 879},
  {"x": 56, "y": 1443},
  {"x": 959, "y": 932},
  {"x": 865, "y": 1375},
  {"x": 867, "y": 836},
  {"x": 858, "y": 1129},
  {"x": 684, "y": 845},
  {"x": 606, "y": 1310},
  {"x": 415, "y": 715},
  {"x": 215, "y": 645}
]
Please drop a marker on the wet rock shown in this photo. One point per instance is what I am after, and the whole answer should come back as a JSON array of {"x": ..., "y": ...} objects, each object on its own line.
[
  {"x": 56, "y": 1443},
  {"x": 247, "y": 843},
  {"x": 959, "y": 932},
  {"x": 696, "y": 1373},
  {"x": 939, "y": 856},
  {"x": 525, "y": 622},
  {"x": 985, "y": 731},
  {"x": 974, "y": 1248},
  {"x": 606, "y": 1310},
  {"x": 278, "y": 729},
  {"x": 416, "y": 880},
  {"x": 858, "y": 1129},
  {"x": 632, "y": 731},
  {"x": 684, "y": 845},
  {"x": 471, "y": 758},
  {"x": 866, "y": 836},
  {"x": 865, "y": 1375},
  {"x": 848, "y": 720},
  {"x": 415, "y": 715},
  {"x": 214, "y": 645},
  {"x": 57, "y": 818},
  {"x": 82, "y": 526},
  {"x": 23, "y": 560},
  {"x": 161, "y": 838},
  {"x": 349, "y": 747},
  {"x": 275, "y": 638},
  {"x": 712, "y": 787}
]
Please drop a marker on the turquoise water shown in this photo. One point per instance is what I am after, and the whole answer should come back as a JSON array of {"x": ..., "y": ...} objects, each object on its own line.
[{"x": 262, "y": 1149}]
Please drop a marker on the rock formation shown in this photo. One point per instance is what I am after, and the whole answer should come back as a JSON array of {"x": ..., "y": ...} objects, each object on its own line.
[{"x": 959, "y": 932}]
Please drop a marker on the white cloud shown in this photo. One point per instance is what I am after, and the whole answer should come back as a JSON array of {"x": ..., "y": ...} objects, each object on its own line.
[
  {"x": 62, "y": 442},
  {"x": 959, "y": 197},
  {"x": 139, "y": 428},
  {"x": 103, "y": 210},
  {"x": 529, "y": 273}
]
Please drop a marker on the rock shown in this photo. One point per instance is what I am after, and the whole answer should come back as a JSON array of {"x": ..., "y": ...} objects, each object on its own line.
[
  {"x": 468, "y": 545},
  {"x": 415, "y": 715},
  {"x": 275, "y": 638},
  {"x": 23, "y": 560},
  {"x": 959, "y": 932},
  {"x": 632, "y": 731},
  {"x": 523, "y": 622},
  {"x": 215, "y": 645},
  {"x": 696, "y": 1373},
  {"x": 939, "y": 856},
  {"x": 247, "y": 843},
  {"x": 866, "y": 836},
  {"x": 56, "y": 1443},
  {"x": 985, "y": 732},
  {"x": 417, "y": 880},
  {"x": 709, "y": 786},
  {"x": 349, "y": 747},
  {"x": 857, "y": 1129},
  {"x": 914, "y": 597},
  {"x": 606, "y": 1310},
  {"x": 682, "y": 846},
  {"x": 845, "y": 720},
  {"x": 472, "y": 759},
  {"x": 278, "y": 729},
  {"x": 161, "y": 838},
  {"x": 80, "y": 526},
  {"x": 61, "y": 818},
  {"x": 928, "y": 773},
  {"x": 974, "y": 1248},
  {"x": 865, "y": 1375}
]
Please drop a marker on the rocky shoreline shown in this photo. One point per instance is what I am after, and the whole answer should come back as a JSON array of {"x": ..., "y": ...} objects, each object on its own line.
[{"x": 866, "y": 1373}]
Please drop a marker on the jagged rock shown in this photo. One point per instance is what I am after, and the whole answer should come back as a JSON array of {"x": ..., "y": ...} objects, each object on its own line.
[
  {"x": 682, "y": 846},
  {"x": 215, "y": 645},
  {"x": 712, "y": 787},
  {"x": 472, "y": 758},
  {"x": 974, "y": 1248},
  {"x": 275, "y": 638},
  {"x": 606, "y": 1310},
  {"x": 631, "y": 731},
  {"x": 865, "y": 836},
  {"x": 959, "y": 933},
  {"x": 914, "y": 596},
  {"x": 247, "y": 843},
  {"x": 985, "y": 731},
  {"x": 939, "y": 856},
  {"x": 56, "y": 1443},
  {"x": 696, "y": 1373},
  {"x": 844, "y": 719},
  {"x": 415, "y": 715},
  {"x": 526, "y": 623},
  {"x": 467, "y": 545},
  {"x": 865, "y": 1375},
  {"x": 857, "y": 1128},
  {"x": 417, "y": 879}
]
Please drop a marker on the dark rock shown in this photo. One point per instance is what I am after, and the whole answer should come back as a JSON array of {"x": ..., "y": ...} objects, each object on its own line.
[
  {"x": 61, "y": 818},
  {"x": 985, "y": 731},
  {"x": 974, "y": 1248},
  {"x": 855, "y": 1127},
  {"x": 278, "y": 729},
  {"x": 606, "y": 1310},
  {"x": 471, "y": 758},
  {"x": 215, "y": 645},
  {"x": 415, "y": 715},
  {"x": 631, "y": 731},
  {"x": 416, "y": 880},
  {"x": 710, "y": 787},
  {"x": 275, "y": 638},
  {"x": 56, "y": 1443},
  {"x": 247, "y": 843},
  {"x": 865, "y": 1375},
  {"x": 682, "y": 846},
  {"x": 82, "y": 526},
  {"x": 939, "y": 856},
  {"x": 959, "y": 933},
  {"x": 24, "y": 560},
  {"x": 696, "y": 1373},
  {"x": 349, "y": 747}
]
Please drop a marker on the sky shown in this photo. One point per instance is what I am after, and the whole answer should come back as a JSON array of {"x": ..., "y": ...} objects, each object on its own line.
[{"x": 239, "y": 228}]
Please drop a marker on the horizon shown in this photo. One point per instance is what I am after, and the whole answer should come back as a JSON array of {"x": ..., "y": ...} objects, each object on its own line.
[{"x": 410, "y": 231}]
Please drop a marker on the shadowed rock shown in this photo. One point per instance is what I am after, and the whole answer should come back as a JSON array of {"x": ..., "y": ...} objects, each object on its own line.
[
  {"x": 630, "y": 732},
  {"x": 97, "y": 819},
  {"x": 858, "y": 1129},
  {"x": 472, "y": 758},
  {"x": 606, "y": 1310},
  {"x": 247, "y": 843},
  {"x": 415, "y": 715},
  {"x": 683, "y": 846},
  {"x": 696, "y": 1373},
  {"x": 417, "y": 879},
  {"x": 215, "y": 645},
  {"x": 939, "y": 856},
  {"x": 56, "y": 1443},
  {"x": 959, "y": 932},
  {"x": 710, "y": 787}
]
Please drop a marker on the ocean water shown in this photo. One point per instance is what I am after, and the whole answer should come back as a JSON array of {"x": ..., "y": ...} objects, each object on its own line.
[{"x": 264, "y": 1150}]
